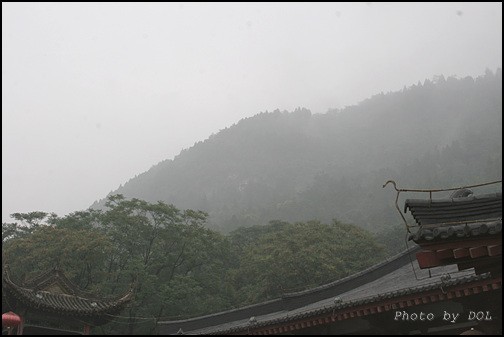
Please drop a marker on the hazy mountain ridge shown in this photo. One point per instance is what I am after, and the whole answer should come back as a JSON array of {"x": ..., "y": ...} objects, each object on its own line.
[{"x": 299, "y": 166}]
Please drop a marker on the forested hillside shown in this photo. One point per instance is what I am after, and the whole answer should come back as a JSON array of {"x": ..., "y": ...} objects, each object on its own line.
[
  {"x": 299, "y": 166},
  {"x": 294, "y": 201}
]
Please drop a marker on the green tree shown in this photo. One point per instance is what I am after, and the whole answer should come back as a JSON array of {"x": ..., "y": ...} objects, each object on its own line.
[
  {"x": 26, "y": 223},
  {"x": 301, "y": 256},
  {"x": 81, "y": 254},
  {"x": 80, "y": 220},
  {"x": 178, "y": 267},
  {"x": 393, "y": 238},
  {"x": 166, "y": 252},
  {"x": 245, "y": 236}
]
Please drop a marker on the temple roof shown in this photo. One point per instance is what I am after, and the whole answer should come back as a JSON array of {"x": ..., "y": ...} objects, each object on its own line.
[
  {"x": 393, "y": 280},
  {"x": 465, "y": 230},
  {"x": 53, "y": 292},
  {"x": 456, "y": 217}
]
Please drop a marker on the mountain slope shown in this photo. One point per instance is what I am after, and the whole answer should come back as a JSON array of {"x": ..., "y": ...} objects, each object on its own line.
[{"x": 299, "y": 166}]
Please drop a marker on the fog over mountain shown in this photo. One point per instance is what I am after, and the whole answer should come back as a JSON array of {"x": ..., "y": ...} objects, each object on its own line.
[
  {"x": 298, "y": 166},
  {"x": 94, "y": 93}
]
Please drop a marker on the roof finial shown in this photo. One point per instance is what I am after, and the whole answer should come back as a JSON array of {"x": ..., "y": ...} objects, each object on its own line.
[
  {"x": 57, "y": 268},
  {"x": 462, "y": 193}
]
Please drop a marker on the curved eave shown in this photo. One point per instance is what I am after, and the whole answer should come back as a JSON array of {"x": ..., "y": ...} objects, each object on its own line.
[
  {"x": 71, "y": 305},
  {"x": 481, "y": 208}
]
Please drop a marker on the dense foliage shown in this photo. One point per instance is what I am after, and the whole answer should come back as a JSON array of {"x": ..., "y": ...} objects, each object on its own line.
[
  {"x": 301, "y": 256},
  {"x": 172, "y": 260},
  {"x": 178, "y": 267}
]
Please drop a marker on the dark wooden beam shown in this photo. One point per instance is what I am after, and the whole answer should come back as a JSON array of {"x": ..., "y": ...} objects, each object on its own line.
[
  {"x": 444, "y": 254},
  {"x": 428, "y": 259},
  {"x": 460, "y": 253},
  {"x": 494, "y": 250},
  {"x": 478, "y": 251}
]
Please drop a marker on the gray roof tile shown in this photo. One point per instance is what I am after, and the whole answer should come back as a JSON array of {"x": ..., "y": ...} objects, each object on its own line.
[
  {"x": 53, "y": 292},
  {"x": 456, "y": 217}
]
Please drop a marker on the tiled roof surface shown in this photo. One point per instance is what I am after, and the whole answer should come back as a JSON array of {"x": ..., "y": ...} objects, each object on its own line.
[
  {"x": 53, "y": 278},
  {"x": 456, "y": 217},
  {"x": 394, "y": 277},
  {"x": 458, "y": 231},
  {"x": 49, "y": 292},
  {"x": 330, "y": 307}
]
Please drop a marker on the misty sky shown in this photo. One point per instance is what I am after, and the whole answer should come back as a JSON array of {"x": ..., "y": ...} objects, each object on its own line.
[{"x": 96, "y": 93}]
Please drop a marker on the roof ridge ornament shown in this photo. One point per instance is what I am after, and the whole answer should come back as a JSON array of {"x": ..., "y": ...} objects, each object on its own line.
[
  {"x": 445, "y": 278},
  {"x": 425, "y": 230},
  {"x": 463, "y": 191},
  {"x": 444, "y": 282},
  {"x": 57, "y": 265}
]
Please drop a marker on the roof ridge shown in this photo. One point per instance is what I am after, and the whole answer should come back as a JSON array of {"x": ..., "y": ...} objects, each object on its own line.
[
  {"x": 45, "y": 279},
  {"x": 358, "y": 301}
]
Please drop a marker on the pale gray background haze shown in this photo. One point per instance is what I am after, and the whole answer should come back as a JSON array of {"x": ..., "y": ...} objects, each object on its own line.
[{"x": 96, "y": 93}]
